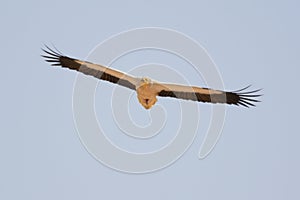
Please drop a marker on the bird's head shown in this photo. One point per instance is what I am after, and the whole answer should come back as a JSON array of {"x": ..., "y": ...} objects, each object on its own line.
[{"x": 146, "y": 93}]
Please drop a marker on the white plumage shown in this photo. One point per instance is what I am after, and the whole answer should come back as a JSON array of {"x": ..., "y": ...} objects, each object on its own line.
[{"x": 147, "y": 89}]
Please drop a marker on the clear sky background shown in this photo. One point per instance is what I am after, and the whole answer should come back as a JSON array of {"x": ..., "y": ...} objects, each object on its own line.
[{"x": 251, "y": 42}]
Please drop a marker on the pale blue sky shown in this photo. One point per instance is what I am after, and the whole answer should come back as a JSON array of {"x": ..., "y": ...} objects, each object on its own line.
[{"x": 253, "y": 42}]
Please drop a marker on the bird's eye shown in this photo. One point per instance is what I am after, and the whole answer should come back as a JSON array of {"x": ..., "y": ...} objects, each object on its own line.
[{"x": 147, "y": 100}]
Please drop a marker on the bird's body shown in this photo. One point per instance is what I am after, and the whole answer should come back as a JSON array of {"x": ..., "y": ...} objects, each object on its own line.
[
  {"x": 147, "y": 89},
  {"x": 146, "y": 92}
]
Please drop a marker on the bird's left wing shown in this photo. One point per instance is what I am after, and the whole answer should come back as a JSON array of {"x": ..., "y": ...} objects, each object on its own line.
[
  {"x": 239, "y": 97},
  {"x": 98, "y": 71}
]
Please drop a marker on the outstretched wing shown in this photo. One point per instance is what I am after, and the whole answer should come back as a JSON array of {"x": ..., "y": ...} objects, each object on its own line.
[
  {"x": 239, "y": 97},
  {"x": 98, "y": 71}
]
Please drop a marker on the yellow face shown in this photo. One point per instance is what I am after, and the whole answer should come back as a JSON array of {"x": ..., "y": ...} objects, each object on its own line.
[{"x": 146, "y": 94}]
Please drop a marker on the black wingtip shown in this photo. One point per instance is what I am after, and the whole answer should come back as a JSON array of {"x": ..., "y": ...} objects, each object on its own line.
[
  {"x": 50, "y": 51},
  {"x": 247, "y": 98},
  {"x": 51, "y": 56}
]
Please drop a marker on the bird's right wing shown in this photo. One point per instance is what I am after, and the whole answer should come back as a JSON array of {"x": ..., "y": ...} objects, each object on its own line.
[{"x": 98, "y": 71}]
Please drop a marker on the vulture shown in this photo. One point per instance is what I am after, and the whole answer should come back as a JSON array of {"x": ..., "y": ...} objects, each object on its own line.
[{"x": 148, "y": 90}]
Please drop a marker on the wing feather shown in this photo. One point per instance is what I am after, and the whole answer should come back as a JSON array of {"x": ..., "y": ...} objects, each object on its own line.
[
  {"x": 240, "y": 97},
  {"x": 88, "y": 68}
]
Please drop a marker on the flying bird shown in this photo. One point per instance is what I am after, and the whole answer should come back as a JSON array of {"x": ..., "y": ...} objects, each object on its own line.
[{"x": 148, "y": 90}]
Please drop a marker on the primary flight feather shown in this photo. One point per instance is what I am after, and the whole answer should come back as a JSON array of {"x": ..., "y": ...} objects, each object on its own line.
[{"x": 147, "y": 89}]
